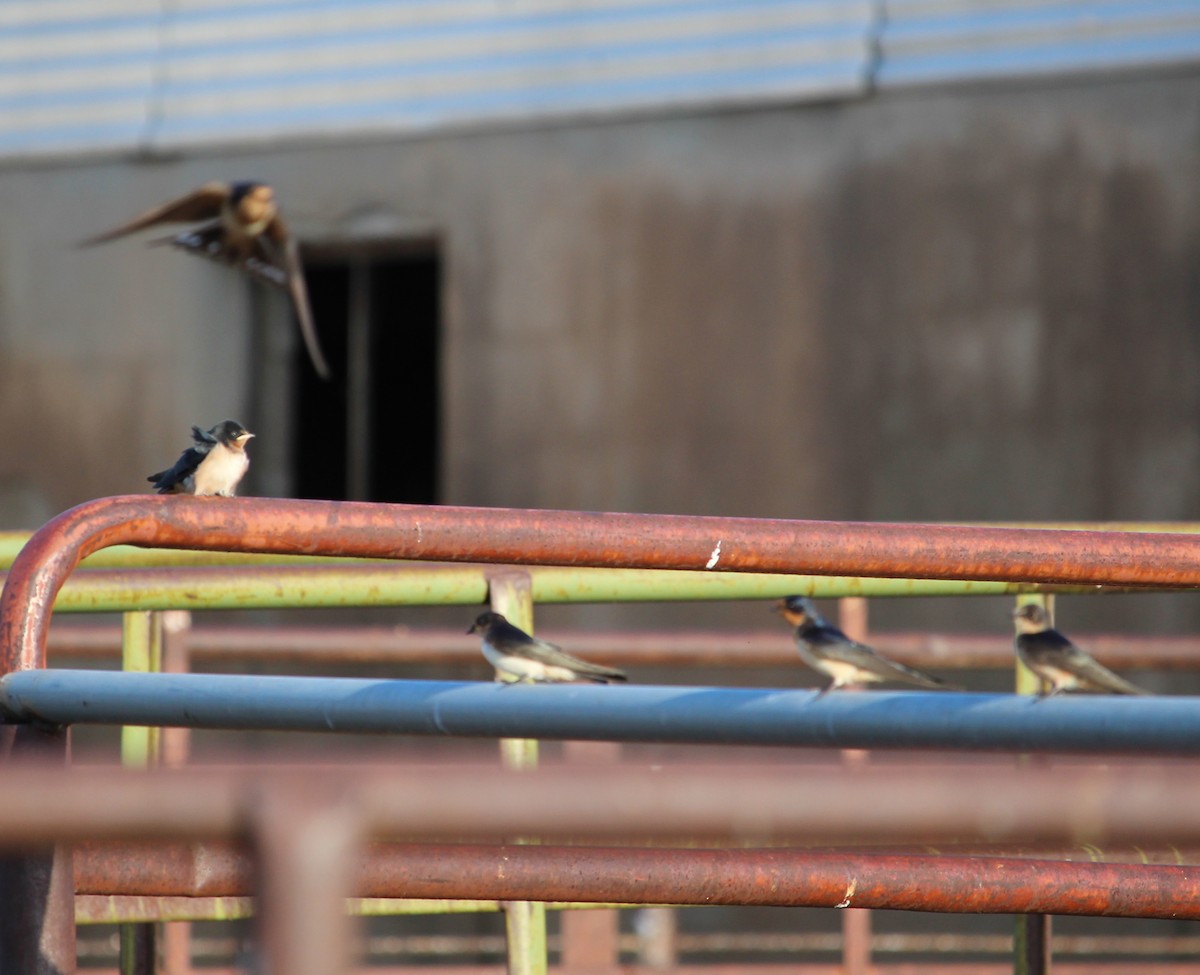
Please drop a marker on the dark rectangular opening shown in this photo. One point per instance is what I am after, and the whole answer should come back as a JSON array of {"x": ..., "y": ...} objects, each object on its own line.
[{"x": 372, "y": 432}]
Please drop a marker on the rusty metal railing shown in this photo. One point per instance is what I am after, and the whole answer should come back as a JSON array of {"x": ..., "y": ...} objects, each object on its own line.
[{"x": 1057, "y": 558}]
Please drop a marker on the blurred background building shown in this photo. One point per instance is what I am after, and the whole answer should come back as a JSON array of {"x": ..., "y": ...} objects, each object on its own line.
[{"x": 888, "y": 260}]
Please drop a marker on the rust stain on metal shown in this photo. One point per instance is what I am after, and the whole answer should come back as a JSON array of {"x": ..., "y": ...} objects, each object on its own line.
[{"x": 774, "y": 877}]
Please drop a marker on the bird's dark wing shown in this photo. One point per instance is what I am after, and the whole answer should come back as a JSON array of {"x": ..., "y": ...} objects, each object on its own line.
[
  {"x": 287, "y": 256},
  {"x": 202, "y": 204},
  {"x": 203, "y": 437},
  {"x": 1089, "y": 670},
  {"x": 166, "y": 481},
  {"x": 832, "y": 644},
  {"x": 1099, "y": 676},
  {"x": 548, "y": 653}
]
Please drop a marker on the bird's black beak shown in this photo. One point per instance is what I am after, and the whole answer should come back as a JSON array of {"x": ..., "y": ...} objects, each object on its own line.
[{"x": 472, "y": 628}]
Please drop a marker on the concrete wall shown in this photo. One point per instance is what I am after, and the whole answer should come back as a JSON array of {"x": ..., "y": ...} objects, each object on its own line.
[{"x": 942, "y": 304}]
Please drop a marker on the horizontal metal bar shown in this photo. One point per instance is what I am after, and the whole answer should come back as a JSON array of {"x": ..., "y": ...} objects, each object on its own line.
[
  {"x": 755, "y": 877},
  {"x": 392, "y": 584},
  {"x": 992, "y": 799},
  {"x": 601, "y": 540},
  {"x": 621, "y": 648},
  {"x": 690, "y": 715},
  {"x": 131, "y": 556}
]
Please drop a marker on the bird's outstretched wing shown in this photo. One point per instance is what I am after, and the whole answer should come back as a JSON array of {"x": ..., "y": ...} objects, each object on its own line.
[
  {"x": 288, "y": 259},
  {"x": 201, "y": 204}
]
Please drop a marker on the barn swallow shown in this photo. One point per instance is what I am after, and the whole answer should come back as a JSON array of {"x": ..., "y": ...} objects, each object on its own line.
[
  {"x": 243, "y": 229},
  {"x": 514, "y": 652},
  {"x": 213, "y": 465},
  {"x": 827, "y": 649},
  {"x": 1058, "y": 662}
]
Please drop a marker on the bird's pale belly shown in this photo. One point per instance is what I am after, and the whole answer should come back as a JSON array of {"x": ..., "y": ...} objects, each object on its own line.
[
  {"x": 220, "y": 471},
  {"x": 1056, "y": 676},
  {"x": 525, "y": 669}
]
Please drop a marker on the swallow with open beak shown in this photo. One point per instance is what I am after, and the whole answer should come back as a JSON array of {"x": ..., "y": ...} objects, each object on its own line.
[
  {"x": 244, "y": 229},
  {"x": 1058, "y": 662},
  {"x": 213, "y": 465},
  {"x": 829, "y": 651},
  {"x": 526, "y": 659}
]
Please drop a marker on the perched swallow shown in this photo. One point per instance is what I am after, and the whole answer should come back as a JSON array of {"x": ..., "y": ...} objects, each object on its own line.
[
  {"x": 827, "y": 649},
  {"x": 514, "y": 652},
  {"x": 214, "y": 465},
  {"x": 1058, "y": 662},
  {"x": 244, "y": 229}
]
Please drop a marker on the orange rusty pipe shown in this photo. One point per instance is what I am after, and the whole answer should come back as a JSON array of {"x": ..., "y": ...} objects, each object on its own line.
[
  {"x": 570, "y": 538},
  {"x": 753, "y": 877}
]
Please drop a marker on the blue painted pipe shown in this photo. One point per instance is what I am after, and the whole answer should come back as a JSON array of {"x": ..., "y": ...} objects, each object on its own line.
[{"x": 695, "y": 715}]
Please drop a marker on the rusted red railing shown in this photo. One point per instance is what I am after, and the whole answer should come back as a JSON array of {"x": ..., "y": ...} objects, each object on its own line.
[{"x": 754, "y": 877}]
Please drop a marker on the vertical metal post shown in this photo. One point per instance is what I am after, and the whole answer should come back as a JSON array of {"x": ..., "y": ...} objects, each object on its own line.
[
  {"x": 656, "y": 928},
  {"x": 358, "y": 382},
  {"x": 510, "y": 594},
  {"x": 174, "y": 744},
  {"x": 141, "y": 652},
  {"x": 37, "y": 886},
  {"x": 1031, "y": 939},
  {"x": 306, "y": 842},
  {"x": 590, "y": 938},
  {"x": 856, "y": 922}
]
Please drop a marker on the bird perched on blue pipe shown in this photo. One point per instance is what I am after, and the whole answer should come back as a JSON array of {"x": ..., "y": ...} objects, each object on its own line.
[
  {"x": 214, "y": 465},
  {"x": 828, "y": 650},
  {"x": 521, "y": 658},
  {"x": 243, "y": 229},
  {"x": 1058, "y": 662}
]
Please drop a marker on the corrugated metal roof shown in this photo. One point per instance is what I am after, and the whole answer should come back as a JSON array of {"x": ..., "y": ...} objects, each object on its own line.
[
  {"x": 122, "y": 73},
  {"x": 945, "y": 40},
  {"x": 81, "y": 75}
]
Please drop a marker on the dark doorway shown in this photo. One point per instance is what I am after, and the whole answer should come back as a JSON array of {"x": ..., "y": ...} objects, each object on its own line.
[{"x": 371, "y": 433}]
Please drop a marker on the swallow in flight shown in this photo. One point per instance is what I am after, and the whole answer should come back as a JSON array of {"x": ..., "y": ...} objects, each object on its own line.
[
  {"x": 828, "y": 650},
  {"x": 1058, "y": 662},
  {"x": 526, "y": 659},
  {"x": 213, "y": 465},
  {"x": 242, "y": 228}
]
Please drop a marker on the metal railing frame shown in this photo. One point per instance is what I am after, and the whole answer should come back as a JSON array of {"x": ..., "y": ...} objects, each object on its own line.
[{"x": 971, "y": 554}]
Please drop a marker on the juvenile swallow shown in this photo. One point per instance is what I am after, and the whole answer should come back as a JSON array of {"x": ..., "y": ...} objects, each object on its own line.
[
  {"x": 243, "y": 229},
  {"x": 1058, "y": 662},
  {"x": 827, "y": 649},
  {"x": 213, "y": 465},
  {"x": 514, "y": 652}
]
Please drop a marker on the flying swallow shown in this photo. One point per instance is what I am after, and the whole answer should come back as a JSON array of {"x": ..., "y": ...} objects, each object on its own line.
[
  {"x": 527, "y": 659},
  {"x": 243, "y": 229},
  {"x": 213, "y": 465},
  {"x": 1058, "y": 662},
  {"x": 827, "y": 649}
]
